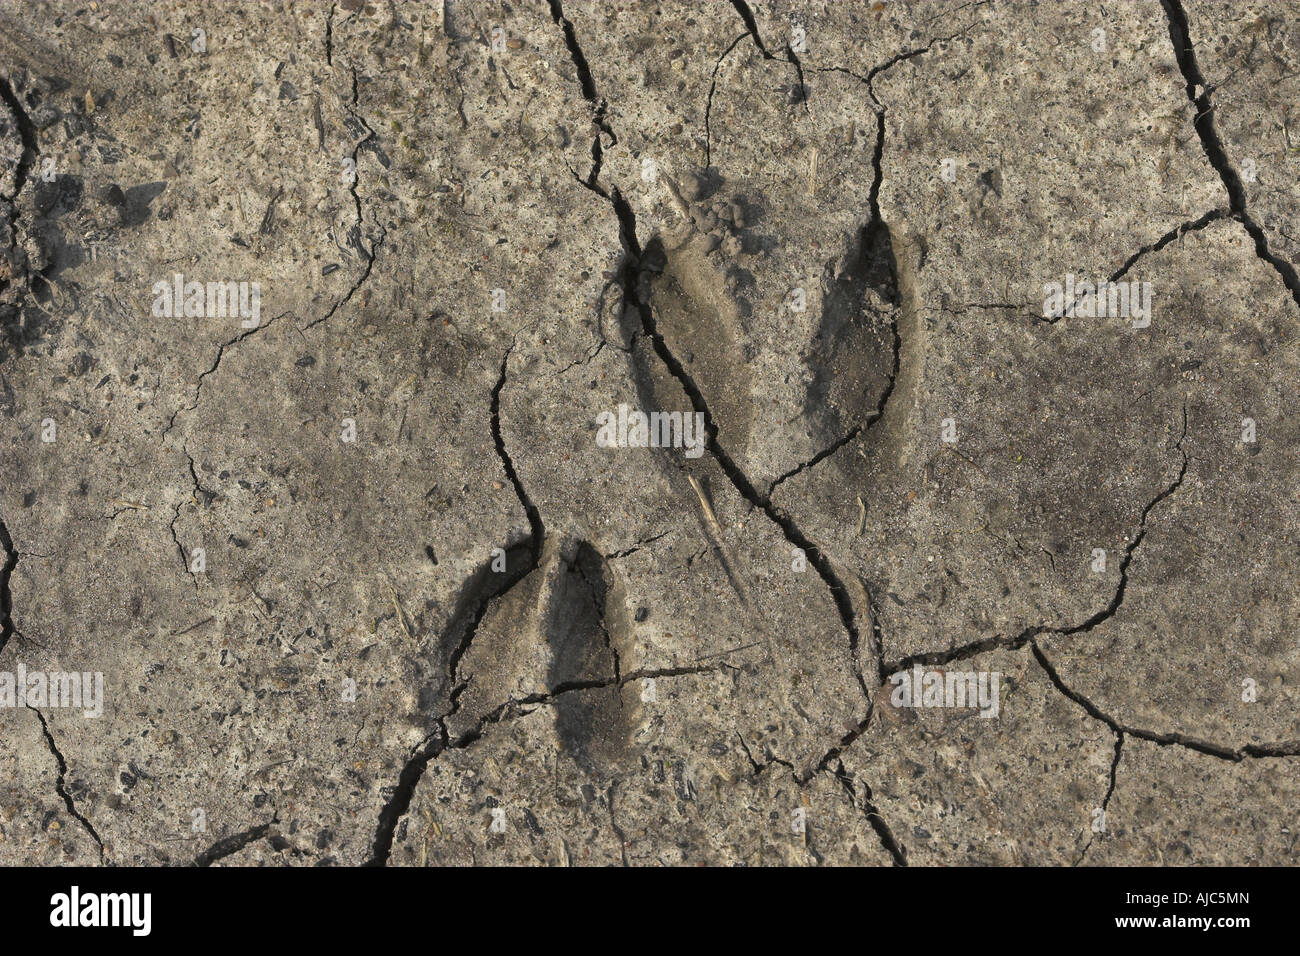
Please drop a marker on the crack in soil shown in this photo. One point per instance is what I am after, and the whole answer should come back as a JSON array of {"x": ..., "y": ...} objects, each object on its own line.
[
  {"x": 708, "y": 104},
  {"x": 1172, "y": 739},
  {"x": 361, "y": 280},
  {"x": 1198, "y": 93},
  {"x": 632, "y": 272},
  {"x": 1110, "y": 792},
  {"x": 228, "y": 846},
  {"x": 60, "y": 785},
  {"x": 478, "y": 593},
  {"x": 439, "y": 741},
  {"x": 939, "y": 658},
  {"x": 887, "y": 839},
  {"x": 221, "y": 352},
  {"x": 7, "y": 629}
]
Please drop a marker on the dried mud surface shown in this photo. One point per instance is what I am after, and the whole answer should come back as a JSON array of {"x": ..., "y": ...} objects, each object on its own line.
[{"x": 364, "y": 586}]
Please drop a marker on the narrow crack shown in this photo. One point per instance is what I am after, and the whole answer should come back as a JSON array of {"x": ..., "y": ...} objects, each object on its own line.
[
  {"x": 816, "y": 459},
  {"x": 1198, "y": 93},
  {"x": 598, "y": 602},
  {"x": 355, "y": 242},
  {"x": 585, "y": 80},
  {"x": 498, "y": 585},
  {"x": 361, "y": 280},
  {"x": 216, "y": 364},
  {"x": 834, "y": 752},
  {"x": 1110, "y": 792},
  {"x": 708, "y": 105},
  {"x": 60, "y": 781},
  {"x": 400, "y": 802},
  {"x": 537, "y": 530},
  {"x": 749, "y": 755},
  {"x": 208, "y": 496},
  {"x": 974, "y": 648},
  {"x": 870, "y": 238},
  {"x": 484, "y": 587},
  {"x": 180, "y": 548},
  {"x": 898, "y": 58},
  {"x": 1109, "y": 611},
  {"x": 625, "y": 552},
  {"x": 1195, "y": 225},
  {"x": 804, "y": 89},
  {"x": 356, "y": 151}
]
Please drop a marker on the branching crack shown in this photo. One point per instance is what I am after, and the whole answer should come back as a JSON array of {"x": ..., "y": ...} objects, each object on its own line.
[
  {"x": 751, "y": 26},
  {"x": 439, "y": 741},
  {"x": 461, "y": 632},
  {"x": 940, "y": 658},
  {"x": 751, "y": 30},
  {"x": 899, "y": 57},
  {"x": 1174, "y": 739},
  {"x": 886, "y": 835},
  {"x": 632, "y": 273}
]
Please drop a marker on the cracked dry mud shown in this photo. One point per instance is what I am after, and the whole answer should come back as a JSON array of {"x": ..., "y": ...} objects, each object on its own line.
[{"x": 564, "y": 653}]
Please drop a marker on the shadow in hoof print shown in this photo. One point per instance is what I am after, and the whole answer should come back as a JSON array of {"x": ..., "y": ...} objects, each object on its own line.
[{"x": 551, "y": 639}]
